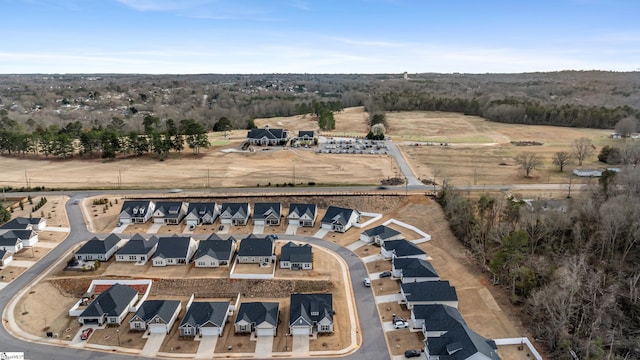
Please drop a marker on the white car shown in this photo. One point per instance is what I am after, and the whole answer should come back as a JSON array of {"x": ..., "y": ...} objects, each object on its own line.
[
  {"x": 400, "y": 324},
  {"x": 367, "y": 282}
]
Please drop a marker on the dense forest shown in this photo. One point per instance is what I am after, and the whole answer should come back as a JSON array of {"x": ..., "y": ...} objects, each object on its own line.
[{"x": 571, "y": 266}]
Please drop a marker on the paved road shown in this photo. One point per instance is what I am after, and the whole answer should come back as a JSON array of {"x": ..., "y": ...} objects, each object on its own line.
[{"x": 406, "y": 170}]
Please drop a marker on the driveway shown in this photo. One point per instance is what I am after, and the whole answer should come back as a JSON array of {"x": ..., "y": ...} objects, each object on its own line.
[
  {"x": 154, "y": 229},
  {"x": 56, "y": 229},
  {"x": 321, "y": 233},
  {"x": 151, "y": 347},
  {"x": 120, "y": 229},
  {"x": 258, "y": 229},
  {"x": 206, "y": 347},
  {"x": 388, "y": 298},
  {"x": 356, "y": 245},
  {"x": 300, "y": 346},
  {"x": 291, "y": 229},
  {"x": 264, "y": 346}
]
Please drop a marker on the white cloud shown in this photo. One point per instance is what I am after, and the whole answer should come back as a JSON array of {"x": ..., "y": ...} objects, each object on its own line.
[{"x": 163, "y": 5}]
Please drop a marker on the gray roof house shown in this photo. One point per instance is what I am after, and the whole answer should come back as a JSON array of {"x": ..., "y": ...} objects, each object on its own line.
[
  {"x": 137, "y": 249},
  {"x": 401, "y": 248},
  {"x": 448, "y": 336},
  {"x": 256, "y": 250},
  {"x": 111, "y": 306},
  {"x": 267, "y": 136},
  {"x": 309, "y": 312},
  {"x": 339, "y": 219},
  {"x": 205, "y": 318},
  {"x": 296, "y": 256},
  {"x": 428, "y": 293},
  {"x": 28, "y": 238},
  {"x": 174, "y": 250},
  {"x": 413, "y": 270},
  {"x": 267, "y": 213},
  {"x": 24, "y": 223},
  {"x": 10, "y": 241},
  {"x": 235, "y": 213},
  {"x": 201, "y": 213},
  {"x": 302, "y": 214},
  {"x": 136, "y": 211},
  {"x": 156, "y": 315},
  {"x": 215, "y": 252},
  {"x": 261, "y": 317},
  {"x": 5, "y": 257},
  {"x": 306, "y": 135},
  {"x": 169, "y": 212},
  {"x": 379, "y": 234},
  {"x": 96, "y": 249}
]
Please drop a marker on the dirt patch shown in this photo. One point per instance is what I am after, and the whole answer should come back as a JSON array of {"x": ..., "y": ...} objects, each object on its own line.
[
  {"x": 401, "y": 340},
  {"x": 387, "y": 310},
  {"x": 385, "y": 286},
  {"x": 118, "y": 336},
  {"x": 174, "y": 343},
  {"x": 53, "y": 210},
  {"x": 9, "y": 273},
  {"x": 231, "y": 343},
  {"x": 379, "y": 266},
  {"x": 367, "y": 250},
  {"x": 44, "y": 308},
  {"x": 253, "y": 269}
]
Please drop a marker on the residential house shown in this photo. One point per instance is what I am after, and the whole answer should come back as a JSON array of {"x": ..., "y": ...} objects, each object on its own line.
[
  {"x": 205, "y": 318},
  {"x": 309, "y": 312},
  {"x": 379, "y": 234},
  {"x": 201, "y": 213},
  {"x": 261, "y": 317},
  {"x": 137, "y": 249},
  {"x": 96, "y": 249},
  {"x": 5, "y": 257},
  {"x": 215, "y": 252},
  {"x": 306, "y": 135},
  {"x": 235, "y": 213},
  {"x": 255, "y": 250},
  {"x": 174, "y": 250},
  {"x": 28, "y": 237},
  {"x": 302, "y": 214},
  {"x": 267, "y": 213},
  {"x": 156, "y": 315},
  {"x": 401, "y": 248},
  {"x": 448, "y": 336},
  {"x": 136, "y": 211},
  {"x": 267, "y": 136},
  {"x": 111, "y": 306},
  {"x": 339, "y": 219},
  {"x": 169, "y": 212},
  {"x": 413, "y": 270},
  {"x": 296, "y": 256},
  {"x": 24, "y": 223},
  {"x": 11, "y": 242},
  {"x": 428, "y": 293}
]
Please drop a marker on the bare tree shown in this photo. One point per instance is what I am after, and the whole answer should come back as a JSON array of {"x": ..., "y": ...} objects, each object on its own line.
[
  {"x": 562, "y": 159},
  {"x": 528, "y": 161},
  {"x": 582, "y": 149},
  {"x": 627, "y": 126}
]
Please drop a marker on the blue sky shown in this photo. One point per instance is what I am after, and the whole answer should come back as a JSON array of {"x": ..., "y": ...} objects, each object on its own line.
[{"x": 318, "y": 36}]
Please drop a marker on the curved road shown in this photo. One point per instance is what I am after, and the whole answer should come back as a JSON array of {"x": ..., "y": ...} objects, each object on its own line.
[{"x": 373, "y": 346}]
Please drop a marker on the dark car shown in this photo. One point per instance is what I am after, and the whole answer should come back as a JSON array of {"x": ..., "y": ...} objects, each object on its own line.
[
  {"x": 385, "y": 274},
  {"x": 86, "y": 333},
  {"x": 412, "y": 353}
]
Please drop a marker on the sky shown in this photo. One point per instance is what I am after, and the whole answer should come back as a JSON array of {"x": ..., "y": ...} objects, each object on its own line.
[{"x": 317, "y": 36}]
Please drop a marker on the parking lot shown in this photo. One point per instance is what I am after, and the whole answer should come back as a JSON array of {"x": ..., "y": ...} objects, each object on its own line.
[{"x": 353, "y": 146}]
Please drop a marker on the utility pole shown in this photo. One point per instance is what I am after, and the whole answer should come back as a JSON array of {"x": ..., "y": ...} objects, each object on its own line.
[
  {"x": 26, "y": 177},
  {"x": 474, "y": 176},
  {"x": 294, "y": 174},
  {"x": 208, "y": 178},
  {"x": 570, "y": 178}
]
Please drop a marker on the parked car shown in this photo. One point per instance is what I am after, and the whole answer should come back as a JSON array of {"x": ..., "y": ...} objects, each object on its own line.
[
  {"x": 86, "y": 333},
  {"x": 367, "y": 282},
  {"x": 385, "y": 274},
  {"x": 412, "y": 353},
  {"x": 400, "y": 324}
]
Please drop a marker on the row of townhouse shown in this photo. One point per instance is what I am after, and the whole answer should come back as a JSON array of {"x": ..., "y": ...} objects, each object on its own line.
[
  {"x": 266, "y": 214},
  {"x": 433, "y": 302},
  {"x": 212, "y": 252},
  {"x": 17, "y": 234},
  {"x": 308, "y": 314}
]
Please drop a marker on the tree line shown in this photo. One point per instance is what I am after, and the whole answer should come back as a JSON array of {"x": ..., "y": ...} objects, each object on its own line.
[{"x": 571, "y": 266}]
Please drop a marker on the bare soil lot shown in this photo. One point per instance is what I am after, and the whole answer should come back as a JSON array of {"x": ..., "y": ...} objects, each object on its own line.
[
  {"x": 401, "y": 340},
  {"x": 118, "y": 336}
]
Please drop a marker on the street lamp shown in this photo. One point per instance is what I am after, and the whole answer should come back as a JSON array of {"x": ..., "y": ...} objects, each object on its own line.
[
  {"x": 286, "y": 342},
  {"x": 118, "y": 335}
]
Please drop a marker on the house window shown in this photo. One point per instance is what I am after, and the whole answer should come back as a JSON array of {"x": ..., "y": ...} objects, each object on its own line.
[
  {"x": 324, "y": 328},
  {"x": 307, "y": 266},
  {"x": 201, "y": 263},
  {"x": 137, "y": 325},
  {"x": 132, "y": 257},
  {"x": 186, "y": 331}
]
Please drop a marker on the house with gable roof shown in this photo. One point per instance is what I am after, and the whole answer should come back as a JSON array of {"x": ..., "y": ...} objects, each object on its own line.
[
  {"x": 339, "y": 219},
  {"x": 156, "y": 315},
  {"x": 136, "y": 211},
  {"x": 215, "y": 252},
  {"x": 401, "y": 248},
  {"x": 379, "y": 234},
  {"x": 309, "y": 313},
  {"x": 205, "y": 318},
  {"x": 302, "y": 214},
  {"x": 111, "y": 306},
  {"x": 306, "y": 135},
  {"x": 137, "y": 249},
  {"x": 413, "y": 270},
  {"x": 18, "y": 238},
  {"x": 169, "y": 212},
  {"x": 261, "y": 317},
  {"x": 235, "y": 213},
  {"x": 96, "y": 249},
  {"x": 201, "y": 213},
  {"x": 428, "y": 293},
  {"x": 267, "y": 136},
  {"x": 256, "y": 250},
  {"x": 24, "y": 223},
  {"x": 6, "y": 257},
  {"x": 267, "y": 213},
  {"x": 11, "y": 242},
  {"x": 174, "y": 250},
  {"x": 296, "y": 256}
]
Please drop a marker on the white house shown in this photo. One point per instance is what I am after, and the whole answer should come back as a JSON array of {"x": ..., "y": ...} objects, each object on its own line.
[
  {"x": 339, "y": 219},
  {"x": 309, "y": 312},
  {"x": 136, "y": 211},
  {"x": 215, "y": 252},
  {"x": 379, "y": 234},
  {"x": 428, "y": 293},
  {"x": 156, "y": 315},
  {"x": 201, "y": 213},
  {"x": 96, "y": 249},
  {"x": 258, "y": 317},
  {"x": 302, "y": 214},
  {"x": 174, "y": 250},
  {"x": 111, "y": 306},
  {"x": 137, "y": 249},
  {"x": 235, "y": 213},
  {"x": 205, "y": 318}
]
